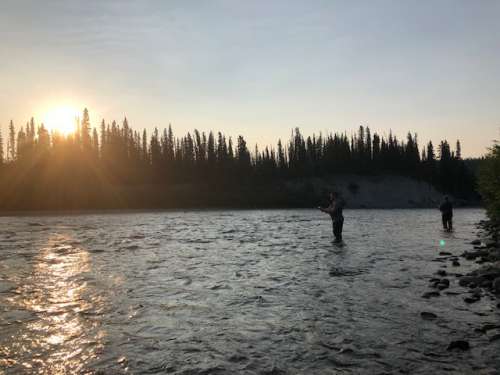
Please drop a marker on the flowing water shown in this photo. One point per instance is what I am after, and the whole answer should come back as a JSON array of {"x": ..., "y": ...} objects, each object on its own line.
[{"x": 228, "y": 292}]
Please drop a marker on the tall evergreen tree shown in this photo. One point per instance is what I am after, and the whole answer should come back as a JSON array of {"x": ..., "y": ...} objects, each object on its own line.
[
  {"x": 1, "y": 148},
  {"x": 458, "y": 153},
  {"x": 85, "y": 131},
  {"x": 11, "y": 145}
]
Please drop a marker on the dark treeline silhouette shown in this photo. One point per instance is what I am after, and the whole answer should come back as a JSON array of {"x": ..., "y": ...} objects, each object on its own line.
[
  {"x": 114, "y": 165},
  {"x": 489, "y": 183}
]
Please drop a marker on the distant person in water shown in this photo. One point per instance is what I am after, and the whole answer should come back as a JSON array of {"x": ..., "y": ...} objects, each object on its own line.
[
  {"x": 334, "y": 209},
  {"x": 446, "y": 209}
]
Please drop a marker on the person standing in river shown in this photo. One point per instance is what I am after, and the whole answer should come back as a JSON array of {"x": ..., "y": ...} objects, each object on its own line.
[
  {"x": 335, "y": 209},
  {"x": 446, "y": 209}
]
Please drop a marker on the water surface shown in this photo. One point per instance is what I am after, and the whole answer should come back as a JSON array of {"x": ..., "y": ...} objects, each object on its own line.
[{"x": 224, "y": 292}]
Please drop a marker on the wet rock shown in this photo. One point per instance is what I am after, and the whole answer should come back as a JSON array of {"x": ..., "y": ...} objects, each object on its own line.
[
  {"x": 490, "y": 244},
  {"x": 441, "y": 273},
  {"x": 456, "y": 263},
  {"x": 485, "y": 284},
  {"x": 496, "y": 285},
  {"x": 475, "y": 292},
  {"x": 346, "y": 349},
  {"x": 435, "y": 280},
  {"x": 434, "y": 284},
  {"x": 494, "y": 335},
  {"x": 428, "y": 315},
  {"x": 442, "y": 286},
  {"x": 237, "y": 358},
  {"x": 471, "y": 299},
  {"x": 494, "y": 256},
  {"x": 490, "y": 272},
  {"x": 471, "y": 255},
  {"x": 476, "y": 242},
  {"x": 488, "y": 327},
  {"x": 274, "y": 371},
  {"x": 444, "y": 253},
  {"x": 467, "y": 280},
  {"x": 459, "y": 345},
  {"x": 430, "y": 294}
]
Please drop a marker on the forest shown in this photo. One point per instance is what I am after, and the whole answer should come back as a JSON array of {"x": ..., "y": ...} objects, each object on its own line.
[{"x": 115, "y": 166}]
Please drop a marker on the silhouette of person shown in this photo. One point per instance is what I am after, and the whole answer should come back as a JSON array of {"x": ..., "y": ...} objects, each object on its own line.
[
  {"x": 335, "y": 209},
  {"x": 446, "y": 209}
]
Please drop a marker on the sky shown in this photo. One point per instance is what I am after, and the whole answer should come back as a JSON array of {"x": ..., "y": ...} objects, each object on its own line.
[{"x": 259, "y": 68}]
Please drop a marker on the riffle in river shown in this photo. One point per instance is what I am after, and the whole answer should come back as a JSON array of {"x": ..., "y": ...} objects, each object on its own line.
[{"x": 228, "y": 292}]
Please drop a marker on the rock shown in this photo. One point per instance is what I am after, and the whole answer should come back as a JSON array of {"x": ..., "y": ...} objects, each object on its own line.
[
  {"x": 459, "y": 344},
  {"x": 490, "y": 244},
  {"x": 445, "y": 282},
  {"x": 488, "y": 272},
  {"x": 442, "y": 286},
  {"x": 476, "y": 292},
  {"x": 435, "y": 280},
  {"x": 476, "y": 242},
  {"x": 445, "y": 253},
  {"x": 471, "y": 255},
  {"x": 494, "y": 335},
  {"x": 430, "y": 294},
  {"x": 485, "y": 284},
  {"x": 495, "y": 285},
  {"x": 494, "y": 256},
  {"x": 434, "y": 284},
  {"x": 467, "y": 280},
  {"x": 456, "y": 263},
  {"x": 441, "y": 273},
  {"x": 489, "y": 327},
  {"x": 428, "y": 315},
  {"x": 472, "y": 299},
  {"x": 347, "y": 349}
]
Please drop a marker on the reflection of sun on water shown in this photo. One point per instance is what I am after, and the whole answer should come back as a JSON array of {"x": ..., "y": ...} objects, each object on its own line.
[
  {"x": 57, "y": 293},
  {"x": 61, "y": 119}
]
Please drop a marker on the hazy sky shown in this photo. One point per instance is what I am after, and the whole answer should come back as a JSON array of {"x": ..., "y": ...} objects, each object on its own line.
[{"x": 259, "y": 68}]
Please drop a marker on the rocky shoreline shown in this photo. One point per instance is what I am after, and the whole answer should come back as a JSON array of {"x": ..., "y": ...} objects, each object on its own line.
[{"x": 480, "y": 283}]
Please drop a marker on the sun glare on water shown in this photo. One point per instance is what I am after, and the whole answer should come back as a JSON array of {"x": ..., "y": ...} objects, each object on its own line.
[{"x": 61, "y": 120}]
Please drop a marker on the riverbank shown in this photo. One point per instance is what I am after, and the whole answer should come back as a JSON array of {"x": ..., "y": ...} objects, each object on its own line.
[
  {"x": 476, "y": 276},
  {"x": 383, "y": 191}
]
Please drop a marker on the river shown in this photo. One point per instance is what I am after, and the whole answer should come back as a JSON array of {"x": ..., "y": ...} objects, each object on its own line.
[{"x": 227, "y": 292}]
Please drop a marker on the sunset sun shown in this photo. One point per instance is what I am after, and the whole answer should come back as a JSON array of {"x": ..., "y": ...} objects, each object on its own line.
[{"x": 61, "y": 119}]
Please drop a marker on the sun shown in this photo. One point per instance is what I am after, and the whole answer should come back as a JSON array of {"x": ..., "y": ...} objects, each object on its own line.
[{"x": 61, "y": 119}]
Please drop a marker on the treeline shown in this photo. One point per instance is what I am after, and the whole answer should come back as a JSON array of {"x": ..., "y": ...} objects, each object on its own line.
[
  {"x": 94, "y": 160},
  {"x": 489, "y": 182}
]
